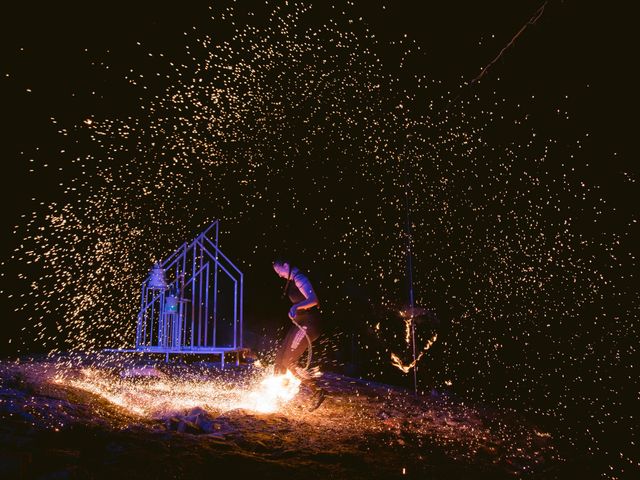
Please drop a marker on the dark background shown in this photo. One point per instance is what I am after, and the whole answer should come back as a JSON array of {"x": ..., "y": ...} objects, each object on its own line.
[{"x": 562, "y": 352}]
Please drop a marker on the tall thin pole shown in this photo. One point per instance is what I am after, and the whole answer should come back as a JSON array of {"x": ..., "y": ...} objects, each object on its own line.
[{"x": 410, "y": 280}]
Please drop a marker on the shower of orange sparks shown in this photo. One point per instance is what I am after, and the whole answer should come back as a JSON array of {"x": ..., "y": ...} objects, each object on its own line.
[
  {"x": 273, "y": 391},
  {"x": 158, "y": 397},
  {"x": 396, "y": 362}
]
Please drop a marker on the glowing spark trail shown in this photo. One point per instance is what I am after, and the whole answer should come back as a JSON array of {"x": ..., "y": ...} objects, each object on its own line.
[
  {"x": 396, "y": 362},
  {"x": 157, "y": 397}
]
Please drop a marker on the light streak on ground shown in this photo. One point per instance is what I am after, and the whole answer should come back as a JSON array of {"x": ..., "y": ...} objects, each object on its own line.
[
  {"x": 236, "y": 407},
  {"x": 156, "y": 397}
]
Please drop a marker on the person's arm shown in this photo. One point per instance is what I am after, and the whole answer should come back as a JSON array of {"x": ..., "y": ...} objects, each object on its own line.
[{"x": 311, "y": 299}]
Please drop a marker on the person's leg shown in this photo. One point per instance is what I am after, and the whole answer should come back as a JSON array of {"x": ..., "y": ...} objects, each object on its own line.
[
  {"x": 292, "y": 348},
  {"x": 280, "y": 366},
  {"x": 311, "y": 325},
  {"x": 294, "y": 345}
]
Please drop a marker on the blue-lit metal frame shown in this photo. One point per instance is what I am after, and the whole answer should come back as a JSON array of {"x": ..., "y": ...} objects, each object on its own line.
[{"x": 194, "y": 268}]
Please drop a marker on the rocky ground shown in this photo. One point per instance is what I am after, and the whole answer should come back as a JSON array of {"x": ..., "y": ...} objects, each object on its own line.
[{"x": 54, "y": 426}]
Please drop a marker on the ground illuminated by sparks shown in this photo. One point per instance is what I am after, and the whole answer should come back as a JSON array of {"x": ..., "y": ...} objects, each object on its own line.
[
  {"x": 159, "y": 396},
  {"x": 251, "y": 410}
]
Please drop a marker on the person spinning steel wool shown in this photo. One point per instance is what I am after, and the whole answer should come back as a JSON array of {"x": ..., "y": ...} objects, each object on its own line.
[{"x": 306, "y": 319}]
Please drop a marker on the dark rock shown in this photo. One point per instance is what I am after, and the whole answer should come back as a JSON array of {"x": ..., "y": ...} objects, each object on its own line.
[
  {"x": 197, "y": 411},
  {"x": 173, "y": 423},
  {"x": 205, "y": 423},
  {"x": 188, "y": 427}
]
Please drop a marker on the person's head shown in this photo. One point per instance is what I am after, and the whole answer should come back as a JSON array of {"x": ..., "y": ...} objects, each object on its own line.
[{"x": 282, "y": 267}]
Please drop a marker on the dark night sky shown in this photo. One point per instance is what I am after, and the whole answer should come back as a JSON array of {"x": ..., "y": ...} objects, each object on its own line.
[
  {"x": 525, "y": 246},
  {"x": 576, "y": 49}
]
